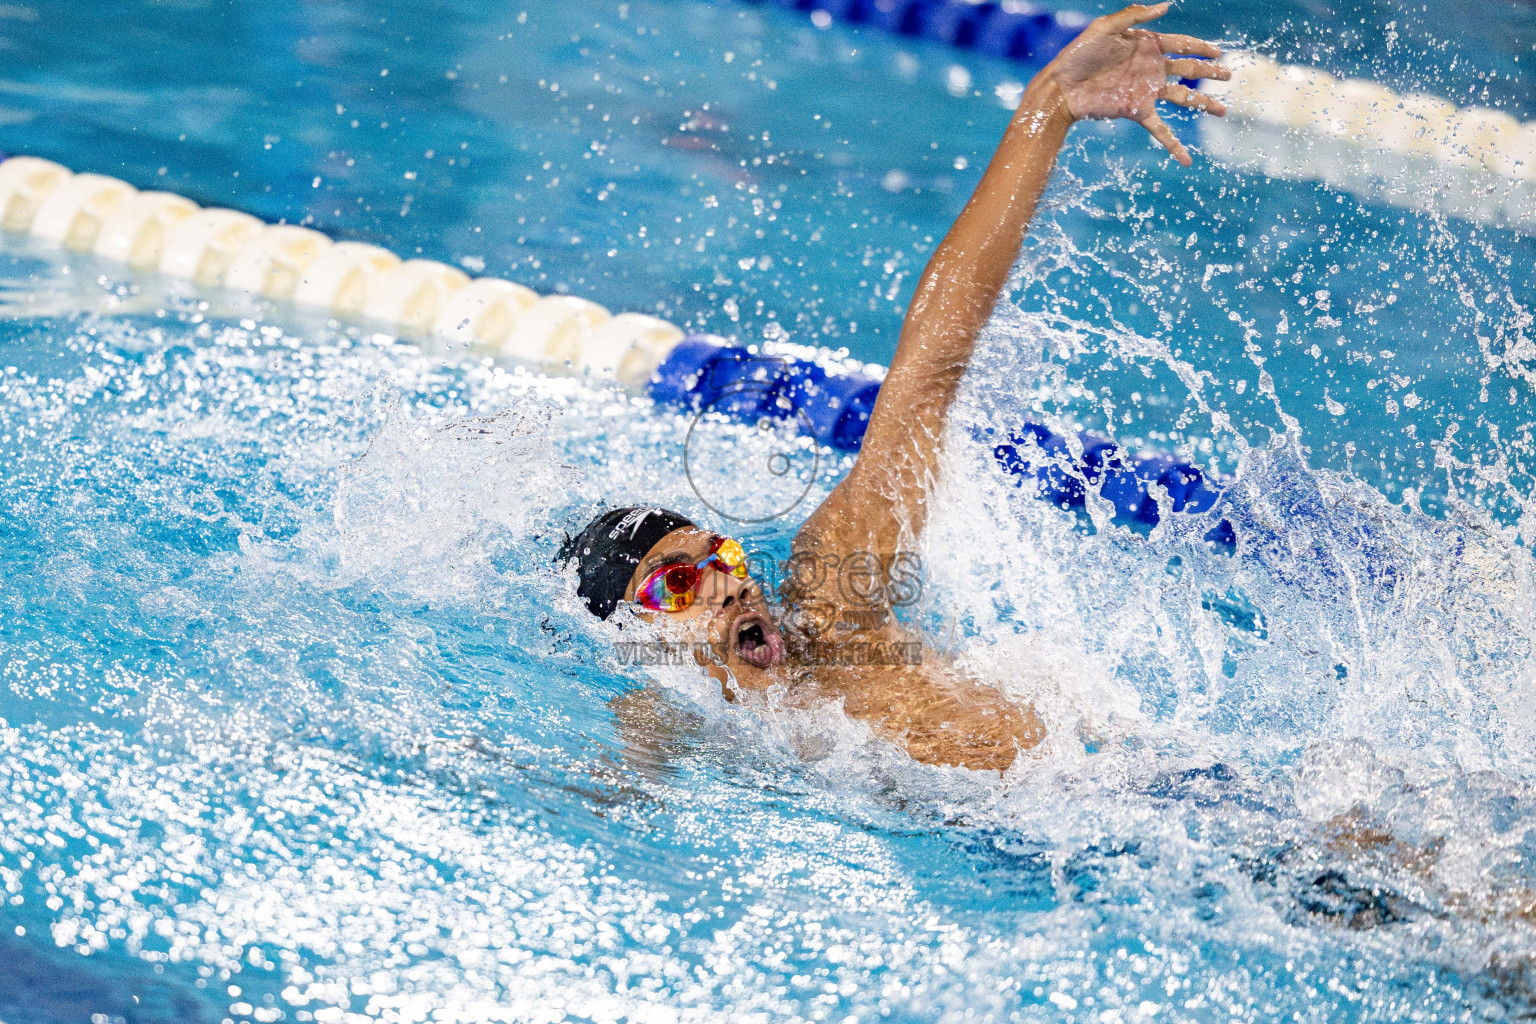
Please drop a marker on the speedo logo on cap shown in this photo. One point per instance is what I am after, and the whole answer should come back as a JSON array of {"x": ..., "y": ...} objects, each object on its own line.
[{"x": 630, "y": 522}]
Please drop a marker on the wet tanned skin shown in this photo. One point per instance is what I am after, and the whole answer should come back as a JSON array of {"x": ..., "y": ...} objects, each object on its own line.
[
  {"x": 1113, "y": 70},
  {"x": 934, "y": 711}
]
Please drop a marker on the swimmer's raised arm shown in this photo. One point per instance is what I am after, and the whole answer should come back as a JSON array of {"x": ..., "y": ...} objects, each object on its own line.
[{"x": 1112, "y": 70}]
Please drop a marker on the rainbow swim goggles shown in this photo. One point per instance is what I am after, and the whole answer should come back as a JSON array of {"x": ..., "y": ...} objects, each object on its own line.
[{"x": 672, "y": 588}]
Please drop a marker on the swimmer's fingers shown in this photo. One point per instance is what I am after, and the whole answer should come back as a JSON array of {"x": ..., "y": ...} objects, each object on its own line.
[
  {"x": 1185, "y": 67},
  {"x": 1134, "y": 15},
  {"x": 1173, "y": 42},
  {"x": 1184, "y": 96},
  {"x": 1163, "y": 134}
]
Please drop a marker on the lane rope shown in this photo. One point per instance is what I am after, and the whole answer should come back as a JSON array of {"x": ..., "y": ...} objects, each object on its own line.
[
  {"x": 1415, "y": 151},
  {"x": 1288, "y": 121},
  {"x": 353, "y": 281}
]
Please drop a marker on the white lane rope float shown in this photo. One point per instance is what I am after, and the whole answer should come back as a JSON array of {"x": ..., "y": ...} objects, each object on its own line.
[
  {"x": 218, "y": 248},
  {"x": 1415, "y": 151}
]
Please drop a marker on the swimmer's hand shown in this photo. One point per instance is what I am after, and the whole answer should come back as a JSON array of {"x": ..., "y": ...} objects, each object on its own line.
[{"x": 1114, "y": 69}]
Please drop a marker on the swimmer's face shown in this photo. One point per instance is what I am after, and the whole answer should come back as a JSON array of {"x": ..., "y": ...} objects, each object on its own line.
[{"x": 728, "y": 613}]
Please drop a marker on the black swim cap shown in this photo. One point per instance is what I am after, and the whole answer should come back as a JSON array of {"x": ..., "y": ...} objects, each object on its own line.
[{"x": 608, "y": 550}]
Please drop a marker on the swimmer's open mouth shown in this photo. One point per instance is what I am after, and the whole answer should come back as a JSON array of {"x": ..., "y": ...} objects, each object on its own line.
[{"x": 757, "y": 642}]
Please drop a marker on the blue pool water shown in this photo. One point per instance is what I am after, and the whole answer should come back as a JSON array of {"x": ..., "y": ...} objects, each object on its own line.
[{"x": 298, "y": 724}]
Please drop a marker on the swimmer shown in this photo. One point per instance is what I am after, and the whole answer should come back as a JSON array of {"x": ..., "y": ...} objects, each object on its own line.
[{"x": 826, "y": 646}]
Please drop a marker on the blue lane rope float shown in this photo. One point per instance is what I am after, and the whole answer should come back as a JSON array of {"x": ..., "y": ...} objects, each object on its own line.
[
  {"x": 1011, "y": 29},
  {"x": 710, "y": 374}
]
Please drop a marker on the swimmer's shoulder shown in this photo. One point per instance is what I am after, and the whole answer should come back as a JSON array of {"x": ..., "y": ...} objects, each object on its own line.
[{"x": 921, "y": 700}]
